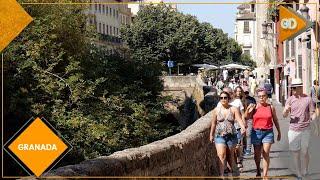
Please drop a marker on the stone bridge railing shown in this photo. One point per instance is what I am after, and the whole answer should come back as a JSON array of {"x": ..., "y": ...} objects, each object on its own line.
[
  {"x": 179, "y": 81},
  {"x": 187, "y": 82},
  {"x": 188, "y": 153}
]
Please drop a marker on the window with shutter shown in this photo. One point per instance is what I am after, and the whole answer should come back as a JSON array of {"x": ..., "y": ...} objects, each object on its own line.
[{"x": 246, "y": 28}]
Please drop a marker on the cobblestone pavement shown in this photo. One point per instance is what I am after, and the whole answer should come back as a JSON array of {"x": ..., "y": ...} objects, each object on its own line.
[{"x": 281, "y": 163}]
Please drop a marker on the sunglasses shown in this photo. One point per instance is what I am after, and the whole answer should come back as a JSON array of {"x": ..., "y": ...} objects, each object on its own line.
[
  {"x": 294, "y": 88},
  {"x": 224, "y": 97}
]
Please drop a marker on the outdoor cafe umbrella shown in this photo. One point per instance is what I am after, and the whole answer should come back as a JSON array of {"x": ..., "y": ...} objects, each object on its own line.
[
  {"x": 234, "y": 66},
  {"x": 205, "y": 66}
]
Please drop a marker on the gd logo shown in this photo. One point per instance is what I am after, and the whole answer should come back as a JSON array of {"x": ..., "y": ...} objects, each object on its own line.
[{"x": 289, "y": 23}]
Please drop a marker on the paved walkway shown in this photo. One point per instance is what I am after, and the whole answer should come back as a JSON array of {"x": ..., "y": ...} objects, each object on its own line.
[{"x": 281, "y": 163}]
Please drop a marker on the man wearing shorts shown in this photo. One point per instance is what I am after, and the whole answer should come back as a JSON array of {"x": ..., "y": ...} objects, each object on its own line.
[{"x": 301, "y": 110}]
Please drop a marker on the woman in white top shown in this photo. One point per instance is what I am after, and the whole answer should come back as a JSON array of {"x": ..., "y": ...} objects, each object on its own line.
[{"x": 238, "y": 103}]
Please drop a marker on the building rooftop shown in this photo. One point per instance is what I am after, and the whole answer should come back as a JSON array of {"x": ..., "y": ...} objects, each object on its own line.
[
  {"x": 245, "y": 5},
  {"x": 247, "y": 16}
]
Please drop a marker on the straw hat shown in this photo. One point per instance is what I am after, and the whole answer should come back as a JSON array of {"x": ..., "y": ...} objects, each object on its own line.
[{"x": 296, "y": 82}]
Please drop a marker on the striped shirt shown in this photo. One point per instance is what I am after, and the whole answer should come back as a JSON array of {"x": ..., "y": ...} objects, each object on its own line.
[{"x": 300, "y": 112}]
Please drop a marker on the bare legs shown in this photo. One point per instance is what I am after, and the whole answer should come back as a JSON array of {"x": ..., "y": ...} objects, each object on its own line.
[
  {"x": 299, "y": 146},
  {"x": 222, "y": 152},
  {"x": 301, "y": 167},
  {"x": 296, "y": 161},
  {"x": 257, "y": 158},
  {"x": 266, "y": 158},
  {"x": 305, "y": 162},
  {"x": 265, "y": 151}
]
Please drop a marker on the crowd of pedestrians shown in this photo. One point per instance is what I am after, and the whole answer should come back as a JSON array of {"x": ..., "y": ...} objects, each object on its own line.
[{"x": 240, "y": 122}]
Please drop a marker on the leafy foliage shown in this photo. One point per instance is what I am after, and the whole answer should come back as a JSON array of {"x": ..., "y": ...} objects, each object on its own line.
[
  {"x": 159, "y": 33},
  {"x": 100, "y": 103},
  {"x": 247, "y": 61}
]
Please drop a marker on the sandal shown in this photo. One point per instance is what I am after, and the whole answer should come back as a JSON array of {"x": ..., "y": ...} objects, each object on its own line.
[{"x": 239, "y": 165}]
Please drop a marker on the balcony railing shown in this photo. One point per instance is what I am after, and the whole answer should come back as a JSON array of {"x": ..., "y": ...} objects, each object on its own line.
[{"x": 113, "y": 39}]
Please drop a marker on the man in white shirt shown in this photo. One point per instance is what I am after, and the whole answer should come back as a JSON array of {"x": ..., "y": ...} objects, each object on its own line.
[{"x": 225, "y": 74}]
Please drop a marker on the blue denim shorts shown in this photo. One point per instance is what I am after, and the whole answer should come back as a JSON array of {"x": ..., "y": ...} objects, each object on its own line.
[
  {"x": 239, "y": 136},
  {"x": 258, "y": 137},
  {"x": 228, "y": 140}
]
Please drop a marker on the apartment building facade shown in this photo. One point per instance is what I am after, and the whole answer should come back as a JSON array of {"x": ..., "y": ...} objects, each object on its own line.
[
  {"x": 108, "y": 18},
  {"x": 251, "y": 29},
  {"x": 245, "y": 29}
]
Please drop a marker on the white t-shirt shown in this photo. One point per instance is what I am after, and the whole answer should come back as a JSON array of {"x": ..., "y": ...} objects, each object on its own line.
[
  {"x": 225, "y": 74},
  {"x": 238, "y": 104},
  {"x": 235, "y": 103},
  {"x": 231, "y": 85}
]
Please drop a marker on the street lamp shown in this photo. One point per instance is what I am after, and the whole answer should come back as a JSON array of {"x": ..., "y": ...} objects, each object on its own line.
[{"x": 265, "y": 26}]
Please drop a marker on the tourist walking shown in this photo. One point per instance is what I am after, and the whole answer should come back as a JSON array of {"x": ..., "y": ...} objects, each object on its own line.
[
  {"x": 269, "y": 89},
  {"x": 246, "y": 73},
  {"x": 223, "y": 132},
  {"x": 315, "y": 96},
  {"x": 262, "y": 136},
  {"x": 249, "y": 121},
  {"x": 231, "y": 84},
  {"x": 238, "y": 102},
  {"x": 225, "y": 74},
  {"x": 261, "y": 82},
  {"x": 245, "y": 86},
  {"x": 301, "y": 110},
  {"x": 253, "y": 86},
  {"x": 220, "y": 85},
  {"x": 315, "y": 93}
]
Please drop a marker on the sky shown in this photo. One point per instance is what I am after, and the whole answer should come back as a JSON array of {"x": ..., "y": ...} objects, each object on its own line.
[{"x": 219, "y": 15}]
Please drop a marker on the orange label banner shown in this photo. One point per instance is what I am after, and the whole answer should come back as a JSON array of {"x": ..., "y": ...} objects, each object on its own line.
[
  {"x": 37, "y": 146},
  {"x": 13, "y": 19},
  {"x": 291, "y": 24}
]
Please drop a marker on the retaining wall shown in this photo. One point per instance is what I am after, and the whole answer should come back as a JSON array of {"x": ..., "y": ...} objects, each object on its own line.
[
  {"x": 179, "y": 81},
  {"x": 188, "y": 153}
]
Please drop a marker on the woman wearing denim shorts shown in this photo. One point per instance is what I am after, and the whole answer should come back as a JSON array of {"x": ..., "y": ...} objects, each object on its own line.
[
  {"x": 223, "y": 132},
  {"x": 238, "y": 102},
  {"x": 262, "y": 136}
]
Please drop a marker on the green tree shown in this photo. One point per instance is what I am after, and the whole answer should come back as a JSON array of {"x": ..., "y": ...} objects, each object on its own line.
[
  {"x": 247, "y": 61},
  {"x": 158, "y": 28},
  {"x": 100, "y": 103}
]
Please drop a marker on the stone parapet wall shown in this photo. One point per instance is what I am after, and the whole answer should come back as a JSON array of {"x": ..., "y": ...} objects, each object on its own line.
[
  {"x": 188, "y": 153},
  {"x": 193, "y": 85},
  {"x": 179, "y": 81}
]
